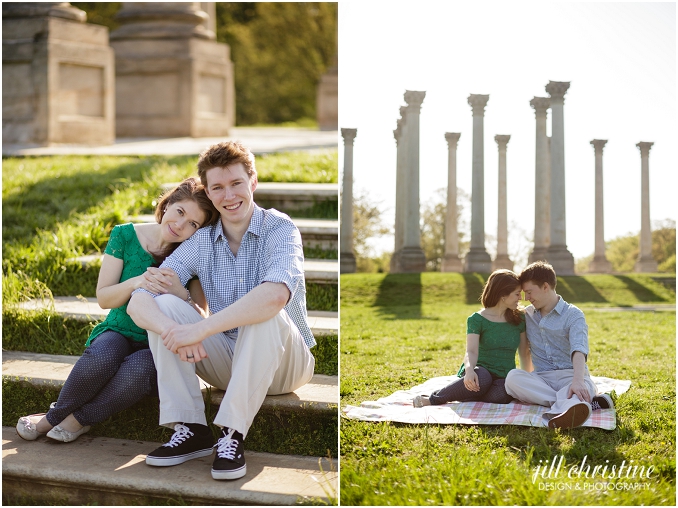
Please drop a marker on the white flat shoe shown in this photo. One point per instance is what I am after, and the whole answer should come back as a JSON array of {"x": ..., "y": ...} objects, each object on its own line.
[
  {"x": 59, "y": 434},
  {"x": 27, "y": 426}
]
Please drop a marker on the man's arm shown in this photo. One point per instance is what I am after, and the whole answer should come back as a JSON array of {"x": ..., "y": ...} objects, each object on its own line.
[
  {"x": 578, "y": 386},
  {"x": 259, "y": 305}
]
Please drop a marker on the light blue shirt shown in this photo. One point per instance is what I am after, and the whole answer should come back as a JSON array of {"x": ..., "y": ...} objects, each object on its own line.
[
  {"x": 270, "y": 251},
  {"x": 555, "y": 337}
]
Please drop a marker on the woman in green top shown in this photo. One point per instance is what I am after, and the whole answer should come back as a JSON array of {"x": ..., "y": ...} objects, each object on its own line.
[
  {"x": 116, "y": 369},
  {"x": 493, "y": 336}
]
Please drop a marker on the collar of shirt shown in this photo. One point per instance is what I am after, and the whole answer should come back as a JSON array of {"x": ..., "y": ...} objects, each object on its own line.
[{"x": 256, "y": 223}]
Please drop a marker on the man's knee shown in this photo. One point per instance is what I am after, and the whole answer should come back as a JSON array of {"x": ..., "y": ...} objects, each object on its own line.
[
  {"x": 513, "y": 380},
  {"x": 168, "y": 303}
]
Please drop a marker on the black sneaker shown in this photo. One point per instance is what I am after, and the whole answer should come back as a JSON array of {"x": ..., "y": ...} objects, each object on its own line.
[
  {"x": 602, "y": 401},
  {"x": 189, "y": 441},
  {"x": 229, "y": 464}
]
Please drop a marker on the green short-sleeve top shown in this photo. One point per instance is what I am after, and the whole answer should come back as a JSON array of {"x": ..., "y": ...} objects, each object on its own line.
[
  {"x": 124, "y": 244},
  {"x": 497, "y": 345}
]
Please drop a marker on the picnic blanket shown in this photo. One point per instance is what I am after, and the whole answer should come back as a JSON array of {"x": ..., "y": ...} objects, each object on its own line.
[{"x": 398, "y": 407}]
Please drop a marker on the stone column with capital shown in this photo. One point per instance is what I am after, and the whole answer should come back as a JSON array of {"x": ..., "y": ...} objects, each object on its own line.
[
  {"x": 542, "y": 182},
  {"x": 558, "y": 256},
  {"x": 451, "y": 260},
  {"x": 57, "y": 76},
  {"x": 478, "y": 259},
  {"x": 411, "y": 258},
  {"x": 502, "y": 260},
  {"x": 600, "y": 263},
  {"x": 346, "y": 255},
  {"x": 646, "y": 262},
  {"x": 172, "y": 78}
]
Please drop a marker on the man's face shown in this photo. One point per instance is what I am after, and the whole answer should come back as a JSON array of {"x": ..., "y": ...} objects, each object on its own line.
[
  {"x": 231, "y": 192},
  {"x": 536, "y": 295}
]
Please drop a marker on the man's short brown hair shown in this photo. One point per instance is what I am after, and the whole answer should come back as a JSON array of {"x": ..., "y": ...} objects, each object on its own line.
[
  {"x": 538, "y": 273},
  {"x": 223, "y": 155}
]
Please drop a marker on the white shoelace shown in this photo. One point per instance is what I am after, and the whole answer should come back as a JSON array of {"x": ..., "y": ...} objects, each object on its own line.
[
  {"x": 181, "y": 434},
  {"x": 595, "y": 406},
  {"x": 226, "y": 446}
]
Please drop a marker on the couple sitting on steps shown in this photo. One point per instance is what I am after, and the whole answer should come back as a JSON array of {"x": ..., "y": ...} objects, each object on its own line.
[
  {"x": 551, "y": 337},
  {"x": 228, "y": 303}
]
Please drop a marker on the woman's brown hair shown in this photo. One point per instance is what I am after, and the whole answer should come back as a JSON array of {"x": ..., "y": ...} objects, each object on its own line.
[
  {"x": 502, "y": 283},
  {"x": 189, "y": 190}
]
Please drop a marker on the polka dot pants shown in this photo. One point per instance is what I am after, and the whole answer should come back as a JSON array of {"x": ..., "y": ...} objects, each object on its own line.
[{"x": 112, "y": 374}]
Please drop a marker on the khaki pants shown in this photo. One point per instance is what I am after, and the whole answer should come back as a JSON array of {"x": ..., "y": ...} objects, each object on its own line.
[
  {"x": 548, "y": 388},
  {"x": 270, "y": 358}
]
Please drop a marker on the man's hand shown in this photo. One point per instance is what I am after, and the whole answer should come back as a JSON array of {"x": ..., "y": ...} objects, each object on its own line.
[
  {"x": 579, "y": 388},
  {"x": 179, "y": 336},
  {"x": 192, "y": 354}
]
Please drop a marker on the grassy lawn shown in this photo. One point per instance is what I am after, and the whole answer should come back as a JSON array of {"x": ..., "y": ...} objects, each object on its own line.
[{"x": 399, "y": 330}]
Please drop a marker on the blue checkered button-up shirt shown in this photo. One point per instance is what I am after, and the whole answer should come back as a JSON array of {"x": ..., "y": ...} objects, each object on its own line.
[
  {"x": 555, "y": 337},
  {"x": 270, "y": 251}
]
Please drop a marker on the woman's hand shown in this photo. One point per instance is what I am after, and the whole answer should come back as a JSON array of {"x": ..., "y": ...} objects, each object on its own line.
[
  {"x": 163, "y": 281},
  {"x": 471, "y": 380}
]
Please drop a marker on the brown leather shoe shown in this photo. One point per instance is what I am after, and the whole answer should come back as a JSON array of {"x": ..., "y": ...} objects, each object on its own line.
[{"x": 573, "y": 417}]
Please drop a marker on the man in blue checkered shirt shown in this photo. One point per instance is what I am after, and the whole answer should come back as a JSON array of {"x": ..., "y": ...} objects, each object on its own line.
[{"x": 256, "y": 340}]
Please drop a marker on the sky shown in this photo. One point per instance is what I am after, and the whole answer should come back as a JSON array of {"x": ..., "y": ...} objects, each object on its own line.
[{"x": 620, "y": 59}]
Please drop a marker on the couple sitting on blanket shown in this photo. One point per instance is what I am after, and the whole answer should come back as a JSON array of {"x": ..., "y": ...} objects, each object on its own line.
[{"x": 550, "y": 335}]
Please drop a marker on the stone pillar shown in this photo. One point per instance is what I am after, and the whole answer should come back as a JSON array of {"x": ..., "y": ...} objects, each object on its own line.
[
  {"x": 646, "y": 262},
  {"x": 542, "y": 182},
  {"x": 451, "y": 261},
  {"x": 477, "y": 259},
  {"x": 502, "y": 260},
  {"x": 560, "y": 258},
  {"x": 172, "y": 78},
  {"x": 327, "y": 98},
  {"x": 347, "y": 258},
  {"x": 57, "y": 76},
  {"x": 600, "y": 263},
  {"x": 400, "y": 135},
  {"x": 411, "y": 257}
]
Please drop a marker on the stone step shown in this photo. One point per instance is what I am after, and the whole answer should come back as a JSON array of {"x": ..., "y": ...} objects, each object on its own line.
[
  {"x": 87, "y": 309},
  {"x": 107, "y": 471},
  {"x": 320, "y": 394},
  {"x": 318, "y": 233},
  {"x": 289, "y": 197},
  {"x": 315, "y": 270}
]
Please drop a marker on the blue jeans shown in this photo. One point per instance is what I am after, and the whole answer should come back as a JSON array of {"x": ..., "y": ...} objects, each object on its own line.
[
  {"x": 491, "y": 390},
  {"x": 112, "y": 374}
]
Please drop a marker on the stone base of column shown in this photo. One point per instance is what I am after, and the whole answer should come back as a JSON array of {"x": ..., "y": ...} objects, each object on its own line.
[
  {"x": 347, "y": 262},
  {"x": 502, "y": 262},
  {"x": 452, "y": 263},
  {"x": 478, "y": 260},
  {"x": 408, "y": 260},
  {"x": 560, "y": 259},
  {"x": 600, "y": 265},
  {"x": 538, "y": 254},
  {"x": 645, "y": 265}
]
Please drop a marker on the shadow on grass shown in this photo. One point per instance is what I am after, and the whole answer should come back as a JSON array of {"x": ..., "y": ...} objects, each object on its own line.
[
  {"x": 575, "y": 289},
  {"x": 399, "y": 296},
  {"x": 642, "y": 293},
  {"x": 474, "y": 283}
]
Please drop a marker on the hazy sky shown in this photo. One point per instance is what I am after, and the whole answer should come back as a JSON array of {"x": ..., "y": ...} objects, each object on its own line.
[{"x": 619, "y": 57}]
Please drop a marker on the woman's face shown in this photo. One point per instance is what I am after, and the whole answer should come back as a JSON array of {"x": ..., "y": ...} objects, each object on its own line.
[
  {"x": 181, "y": 220},
  {"x": 513, "y": 298}
]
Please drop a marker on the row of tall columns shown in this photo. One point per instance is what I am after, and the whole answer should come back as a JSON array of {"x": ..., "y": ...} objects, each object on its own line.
[
  {"x": 346, "y": 256},
  {"x": 646, "y": 262},
  {"x": 451, "y": 261},
  {"x": 502, "y": 258},
  {"x": 542, "y": 181},
  {"x": 600, "y": 263}
]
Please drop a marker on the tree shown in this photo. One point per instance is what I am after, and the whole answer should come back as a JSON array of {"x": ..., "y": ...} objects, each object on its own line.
[
  {"x": 368, "y": 224},
  {"x": 433, "y": 226}
]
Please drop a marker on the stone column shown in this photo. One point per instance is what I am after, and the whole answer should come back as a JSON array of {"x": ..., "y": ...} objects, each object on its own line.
[
  {"x": 477, "y": 259},
  {"x": 560, "y": 258},
  {"x": 600, "y": 263},
  {"x": 411, "y": 257},
  {"x": 646, "y": 262},
  {"x": 347, "y": 258},
  {"x": 57, "y": 76},
  {"x": 327, "y": 98},
  {"x": 451, "y": 261},
  {"x": 542, "y": 182},
  {"x": 172, "y": 78},
  {"x": 502, "y": 260}
]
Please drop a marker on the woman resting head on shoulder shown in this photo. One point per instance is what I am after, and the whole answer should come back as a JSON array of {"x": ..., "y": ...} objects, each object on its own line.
[
  {"x": 116, "y": 369},
  {"x": 494, "y": 334}
]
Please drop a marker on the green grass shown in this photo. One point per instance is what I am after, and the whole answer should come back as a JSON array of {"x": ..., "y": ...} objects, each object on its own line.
[{"x": 399, "y": 330}]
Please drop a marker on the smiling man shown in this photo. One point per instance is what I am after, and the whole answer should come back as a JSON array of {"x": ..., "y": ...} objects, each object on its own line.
[
  {"x": 559, "y": 343},
  {"x": 256, "y": 340}
]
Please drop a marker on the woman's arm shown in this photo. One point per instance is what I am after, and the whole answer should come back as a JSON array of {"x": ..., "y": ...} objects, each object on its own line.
[
  {"x": 198, "y": 296},
  {"x": 111, "y": 293},
  {"x": 470, "y": 360},
  {"x": 525, "y": 354}
]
